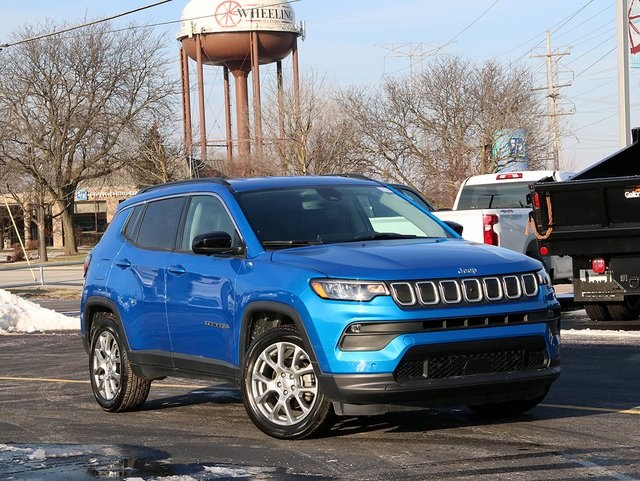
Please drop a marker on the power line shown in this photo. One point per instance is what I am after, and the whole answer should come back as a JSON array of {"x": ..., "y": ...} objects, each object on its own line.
[
  {"x": 585, "y": 21},
  {"x": 83, "y": 25},
  {"x": 553, "y": 29},
  {"x": 468, "y": 26},
  {"x": 596, "y": 62}
]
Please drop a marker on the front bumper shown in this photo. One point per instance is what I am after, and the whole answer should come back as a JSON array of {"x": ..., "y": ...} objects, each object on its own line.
[{"x": 466, "y": 390}]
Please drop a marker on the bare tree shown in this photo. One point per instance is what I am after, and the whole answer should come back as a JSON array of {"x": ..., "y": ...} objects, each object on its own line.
[
  {"x": 317, "y": 133},
  {"x": 72, "y": 105},
  {"x": 433, "y": 129},
  {"x": 157, "y": 161}
]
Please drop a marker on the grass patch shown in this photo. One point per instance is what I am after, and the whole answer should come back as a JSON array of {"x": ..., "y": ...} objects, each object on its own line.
[{"x": 71, "y": 294}]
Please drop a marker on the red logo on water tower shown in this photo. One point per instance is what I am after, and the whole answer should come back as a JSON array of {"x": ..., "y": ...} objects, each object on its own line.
[{"x": 228, "y": 14}]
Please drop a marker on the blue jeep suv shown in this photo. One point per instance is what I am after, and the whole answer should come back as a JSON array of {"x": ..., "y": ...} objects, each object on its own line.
[{"x": 317, "y": 296}]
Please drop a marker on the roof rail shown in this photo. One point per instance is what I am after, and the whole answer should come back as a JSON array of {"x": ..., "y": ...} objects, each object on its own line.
[
  {"x": 213, "y": 180},
  {"x": 350, "y": 175}
]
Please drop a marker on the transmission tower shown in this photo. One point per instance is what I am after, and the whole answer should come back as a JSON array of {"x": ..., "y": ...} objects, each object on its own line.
[
  {"x": 553, "y": 95},
  {"x": 415, "y": 52}
]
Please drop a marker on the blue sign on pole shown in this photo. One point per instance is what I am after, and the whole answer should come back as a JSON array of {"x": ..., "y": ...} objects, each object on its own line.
[
  {"x": 510, "y": 150},
  {"x": 82, "y": 195}
]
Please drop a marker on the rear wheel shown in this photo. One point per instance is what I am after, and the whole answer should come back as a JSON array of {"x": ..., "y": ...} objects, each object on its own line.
[
  {"x": 115, "y": 386},
  {"x": 507, "y": 408},
  {"x": 598, "y": 312},
  {"x": 629, "y": 310},
  {"x": 280, "y": 389}
]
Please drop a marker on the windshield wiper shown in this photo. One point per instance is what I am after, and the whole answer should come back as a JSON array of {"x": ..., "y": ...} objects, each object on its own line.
[
  {"x": 290, "y": 243},
  {"x": 383, "y": 236}
]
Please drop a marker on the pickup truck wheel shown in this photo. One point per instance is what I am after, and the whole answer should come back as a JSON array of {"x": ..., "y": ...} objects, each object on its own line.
[
  {"x": 280, "y": 389},
  {"x": 114, "y": 384},
  {"x": 629, "y": 310},
  {"x": 598, "y": 312},
  {"x": 507, "y": 408}
]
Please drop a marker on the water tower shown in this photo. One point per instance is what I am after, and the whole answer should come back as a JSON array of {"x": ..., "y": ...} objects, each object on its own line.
[{"x": 239, "y": 36}]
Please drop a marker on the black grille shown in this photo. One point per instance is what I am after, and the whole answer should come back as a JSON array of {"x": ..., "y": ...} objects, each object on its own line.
[
  {"x": 466, "y": 364},
  {"x": 460, "y": 291}
]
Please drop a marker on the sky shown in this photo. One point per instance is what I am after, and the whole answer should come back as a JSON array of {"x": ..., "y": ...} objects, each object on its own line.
[{"x": 360, "y": 41}]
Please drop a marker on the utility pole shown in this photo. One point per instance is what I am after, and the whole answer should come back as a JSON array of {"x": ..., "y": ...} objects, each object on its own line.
[
  {"x": 553, "y": 95},
  {"x": 624, "y": 114}
]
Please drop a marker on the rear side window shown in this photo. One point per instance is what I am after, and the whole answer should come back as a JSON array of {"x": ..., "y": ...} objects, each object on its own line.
[
  {"x": 159, "y": 226},
  {"x": 510, "y": 195},
  {"x": 133, "y": 223}
]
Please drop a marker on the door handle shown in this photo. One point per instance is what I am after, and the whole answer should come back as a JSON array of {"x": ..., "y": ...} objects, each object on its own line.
[
  {"x": 123, "y": 263},
  {"x": 177, "y": 270}
]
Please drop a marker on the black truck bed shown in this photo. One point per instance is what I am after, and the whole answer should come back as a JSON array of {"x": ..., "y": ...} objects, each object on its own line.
[{"x": 597, "y": 212}]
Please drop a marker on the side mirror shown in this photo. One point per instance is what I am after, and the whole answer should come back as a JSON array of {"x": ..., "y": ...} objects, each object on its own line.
[
  {"x": 457, "y": 228},
  {"x": 212, "y": 243}
]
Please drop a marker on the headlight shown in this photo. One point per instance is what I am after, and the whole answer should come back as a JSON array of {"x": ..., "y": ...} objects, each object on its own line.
[
  {"x": 543, "y": 278},
  {"x": 343, "y": 290}
]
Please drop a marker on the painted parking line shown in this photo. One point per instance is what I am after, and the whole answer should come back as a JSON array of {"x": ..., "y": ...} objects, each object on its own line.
[
  {"x": 75, "y": 381},
  {"x": 633, "y": 411}
]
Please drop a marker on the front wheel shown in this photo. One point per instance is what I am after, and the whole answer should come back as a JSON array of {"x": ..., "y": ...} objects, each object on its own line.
[
  {"x": 115, "y": 386},
  {"x": 280, "y": 389}
]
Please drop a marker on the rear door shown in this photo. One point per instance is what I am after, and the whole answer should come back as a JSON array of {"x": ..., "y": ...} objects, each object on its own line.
[{"x": 138, "y": 277}]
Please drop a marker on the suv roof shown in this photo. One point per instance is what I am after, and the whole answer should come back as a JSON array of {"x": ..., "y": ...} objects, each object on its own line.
[{"x": 246, "y": 184}]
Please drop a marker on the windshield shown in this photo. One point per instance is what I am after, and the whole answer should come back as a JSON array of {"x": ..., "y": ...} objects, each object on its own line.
[
  {"x": 511, "y": 195},
  {"x": 329, "y": 214}
]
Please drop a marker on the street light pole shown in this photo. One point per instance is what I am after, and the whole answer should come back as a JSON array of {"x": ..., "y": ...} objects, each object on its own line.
[{"x": 624, "y": 113}]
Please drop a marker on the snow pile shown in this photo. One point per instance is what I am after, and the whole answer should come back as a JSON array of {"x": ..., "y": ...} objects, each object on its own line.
[
  {"x": 600, "y": 333},
  {"x": 20, "y": 315}
]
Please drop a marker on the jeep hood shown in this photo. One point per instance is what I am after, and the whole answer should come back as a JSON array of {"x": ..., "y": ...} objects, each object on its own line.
[{"x": 406, "y": 259}]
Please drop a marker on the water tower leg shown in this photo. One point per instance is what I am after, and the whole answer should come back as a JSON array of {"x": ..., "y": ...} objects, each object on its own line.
[
  {"x": 257, "y": 112},
  {"x": 296, "y": 78},
  {"x": 281, "y": 105},
  {"x": 201, "y": 105},
  {"x": 227, "y": 113},
  {"x": 242, "y": 113},
  {"x": 186, "y": 104}
]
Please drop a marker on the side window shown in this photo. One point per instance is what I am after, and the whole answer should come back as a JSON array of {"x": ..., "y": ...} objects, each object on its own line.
[
  {"x": 206, "y": 214},
  {"x": 132, "y": 224},
  {"x": 159, "y": 226}
]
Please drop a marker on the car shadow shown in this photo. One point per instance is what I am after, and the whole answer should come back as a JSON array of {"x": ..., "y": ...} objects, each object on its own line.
[{"x": 218, "y": 394}]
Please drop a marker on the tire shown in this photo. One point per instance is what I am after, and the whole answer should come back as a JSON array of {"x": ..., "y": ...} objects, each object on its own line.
[
  {"x": 629, "y": 310},
  {"x": 507, "y": 408},
  {"x": 114, "y": 384},
  {"x": 280, "y": 389},
  {"x": 598, "y": 312}
]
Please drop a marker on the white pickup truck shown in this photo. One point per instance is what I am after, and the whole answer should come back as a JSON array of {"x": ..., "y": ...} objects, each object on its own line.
[{"x": 493, "y": 209}]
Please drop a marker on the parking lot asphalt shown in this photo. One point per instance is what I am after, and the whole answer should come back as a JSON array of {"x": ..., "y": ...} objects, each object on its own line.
[{"x": 51, "y": 428}]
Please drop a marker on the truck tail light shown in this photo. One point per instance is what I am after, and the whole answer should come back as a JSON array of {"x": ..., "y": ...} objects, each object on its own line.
[
  {"x": 536, "y": 200},
  {"x": 544, "y": 251},
  {"x": 598, "y": 265},
  {"x": 490, "y": 235},
  {"x": 511, "y": 175}
]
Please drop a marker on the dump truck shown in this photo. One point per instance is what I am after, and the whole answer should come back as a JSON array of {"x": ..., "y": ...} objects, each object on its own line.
[{"x": 595, "y": 218}]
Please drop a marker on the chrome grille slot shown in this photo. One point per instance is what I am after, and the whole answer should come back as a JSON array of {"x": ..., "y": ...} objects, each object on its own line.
[
  {"x": 529, "y": 285},
  {"x": 428, "y": 293},
  {"x": 492, "y": 288},
  {"x": 403, "y": 293},
  {"x": 512, "y": 287},
  {"x": 450, "y": 291},
  {"x": 472, "y": 290}
]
